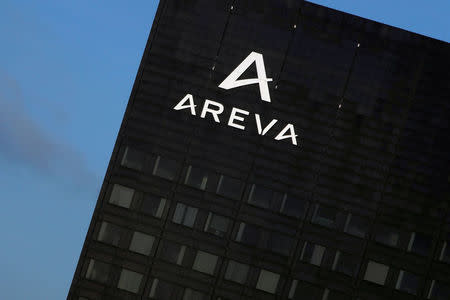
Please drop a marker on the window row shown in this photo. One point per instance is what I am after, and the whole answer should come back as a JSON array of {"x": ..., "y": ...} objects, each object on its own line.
[
  {"x": 375, "y": 272},
  {"x": 302, "y": 290},
  {"x": 311, "y": 253},
  {"x": 161, "y": 289},
  {"x": 100, "y": 271},
  {"x": 344, "y": 263},
  {"x": 216, "y": 224},
  {"x": 248, "y": 234},
  {"x": 405, "y": 281},
  {"x": 256, "y": 236},
  {"x": 204, "y": 262},
  {"x": 348, "y": 264},
  {"x": 222, "y": 185},
  {"x": 140, "y": 161},
  {"x": 207, "y": 263},
  {"x": 142, "y": 243},
  {"x": 413, "y": 242},
  {"x": 187, "y": 215},
  {"x": 182, "y": 255},
  {"x": 131, "y": 281},
  {"x": 112, "y": 234},
  {"x": 267, "y": 281},
  {"x": 123, "y": 196},
  {"x": 184, "y": 214},
  {"x": 263, "y": 197}
]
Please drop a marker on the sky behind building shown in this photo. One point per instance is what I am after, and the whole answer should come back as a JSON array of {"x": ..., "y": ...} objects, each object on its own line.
[{"x": 66, "y": 72}]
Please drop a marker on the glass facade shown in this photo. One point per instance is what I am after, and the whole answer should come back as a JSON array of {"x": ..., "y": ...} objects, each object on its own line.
[{"x": 193, "y": 208}]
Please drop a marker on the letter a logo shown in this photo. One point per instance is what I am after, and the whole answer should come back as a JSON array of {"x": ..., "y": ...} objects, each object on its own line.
[{"x": 232, "y": 81}]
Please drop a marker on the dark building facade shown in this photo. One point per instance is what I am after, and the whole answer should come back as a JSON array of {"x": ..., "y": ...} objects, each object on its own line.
[{"x": 323, "y": 176}]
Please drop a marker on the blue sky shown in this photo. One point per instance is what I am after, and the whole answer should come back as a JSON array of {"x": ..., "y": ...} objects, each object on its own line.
[{"x": 66, "y": 72}]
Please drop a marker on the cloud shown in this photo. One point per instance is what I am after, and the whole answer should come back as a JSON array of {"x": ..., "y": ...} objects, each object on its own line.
[{"x": 24, "y": 142}]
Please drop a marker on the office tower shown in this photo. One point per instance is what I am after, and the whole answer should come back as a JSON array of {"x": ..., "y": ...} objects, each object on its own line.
[{"x": 276, "y": 149}]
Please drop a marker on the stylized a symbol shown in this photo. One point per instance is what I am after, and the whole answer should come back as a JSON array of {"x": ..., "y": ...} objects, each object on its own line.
[{"x": 232, "y": 80}]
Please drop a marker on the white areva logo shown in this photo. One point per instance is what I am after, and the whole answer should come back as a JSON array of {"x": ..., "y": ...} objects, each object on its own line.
[
  {"x": 232, "y": 81},
  {"x": 237, "y": 117}
]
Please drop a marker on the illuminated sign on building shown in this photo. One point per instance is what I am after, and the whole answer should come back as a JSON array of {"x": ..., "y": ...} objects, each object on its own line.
[{"x": 237, "y": 116}]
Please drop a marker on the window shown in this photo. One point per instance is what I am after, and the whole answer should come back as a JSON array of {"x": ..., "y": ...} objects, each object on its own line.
[
  {"x": 293, "y": 206},
  {"x": 407, "y": 282},
  {"x": 439, "y": 291},
  {"x": 153, "y": 205},
  {"x": 133, "y": 159},
  {"x": 387, "y": 235},
  {"x": 98, "y": 271},
  {"x": 196, "y": 178},
  {"x": 445, "y": 251},
  {"x": 205, "y": 262},
  {"x": 172, "y": 252},
  {"x": 248, "y": 234},
  {"x": 280, "y": 244},
  {"x": 325, "y": 216},
  {"x": 121, "y": 196},
  {"x": 237, "y": 272},
  {"x": 193, "y": 295},
  {"x": 229, "y": 187},
  {"x": 216, "y": 224},
  {"x": 357, "y": 226},
  {"x": 419, "y": 243},
  {"x": 304, "y": 291},
  {"x": 185, "y": 215},
  {"x": 260, "y": 196},
  {"x": 109, "y": 233},
  {"x": 142, "y": 243},
  {"x": 165, "y": 168},
  {"x": 267, "y": 281},
  {"x": 165, "y": 290},
  {"x": 376, "y": 272},
  {"x": 345, "y": 263},
  {"x": 312, "y": 253},
  {"x": 129, "y": 281},
  {"x": 333, "y": 295}
]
